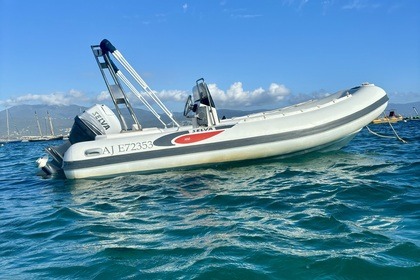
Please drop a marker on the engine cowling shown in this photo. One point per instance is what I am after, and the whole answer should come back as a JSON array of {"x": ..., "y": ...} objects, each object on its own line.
[{"x": 97, "y": 120}]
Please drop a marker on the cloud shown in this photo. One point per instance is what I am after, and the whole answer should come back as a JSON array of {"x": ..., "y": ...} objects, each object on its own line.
[
  {"x": 172, "y": 95},
  {"x": 164, "y": 96},
  {"x": 355, "y": 4},
  {"x": 56, "y": 98},
  {"x": 245, "y": 16},
  {"x": 103, "y": 96},
  {"x": 327, "y": 5},
  {"x": 360, "y": 4},
  {"x": 236, "y": 96},
  {"x": 303, "y": 97},
  {"x": 404, "y": 97},
  {"x": 241, "y": 14},
  {"x": 185, "y": 7},
  {"x": 300, "y": 3}
]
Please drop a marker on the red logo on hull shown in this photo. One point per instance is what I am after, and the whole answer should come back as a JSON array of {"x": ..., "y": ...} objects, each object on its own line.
[{"x": 192, "y": 138}]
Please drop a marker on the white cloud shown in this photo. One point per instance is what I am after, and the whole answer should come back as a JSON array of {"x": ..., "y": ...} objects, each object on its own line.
[
  {"x": 303, "y": 97},
  {"x": 327, "y": 5},
  {"x": 60, "y": 99},
  {"x": 103, "y": 95},
  {"x": 56, "y": 98},
  {"x": 172, "y": 95},
  {"x": 245, "y": 16},
  {"x": 236, "y": 96},
  {"x": 164, "y": 96},
  {"x": 185, "y": 7},
  {"x": 300, "y": 3},
  {"x": 279, "y": 92},
  {"x": 360, "y": 4},
  {"x": 403, "y": 97},
  {"x": 354, "y": 4},
  {"x": 76, "y": 94}
]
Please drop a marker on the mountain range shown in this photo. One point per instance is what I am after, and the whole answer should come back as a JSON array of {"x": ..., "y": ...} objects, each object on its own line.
[{"x": 22, "y": 119}]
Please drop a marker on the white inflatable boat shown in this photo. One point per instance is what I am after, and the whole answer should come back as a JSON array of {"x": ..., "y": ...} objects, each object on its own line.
[{"x": 102, "y": 144}]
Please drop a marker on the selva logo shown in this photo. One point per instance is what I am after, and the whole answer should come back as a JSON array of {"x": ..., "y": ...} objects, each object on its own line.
[{"x": 101, "y": 120}]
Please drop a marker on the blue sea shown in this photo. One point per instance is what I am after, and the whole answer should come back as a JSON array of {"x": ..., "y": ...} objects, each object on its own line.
[{"x": 351, "y": 214}]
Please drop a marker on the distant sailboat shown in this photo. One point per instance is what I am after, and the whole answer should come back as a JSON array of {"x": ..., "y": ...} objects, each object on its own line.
[
  {"x": 416, "y": 117},
  {"x": 42, "y": 137},
  {"x": 8, "y": 139}
]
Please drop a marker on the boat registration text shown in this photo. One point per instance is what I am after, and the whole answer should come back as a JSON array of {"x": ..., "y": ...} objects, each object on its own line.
[{"x": 127, "y": 147}]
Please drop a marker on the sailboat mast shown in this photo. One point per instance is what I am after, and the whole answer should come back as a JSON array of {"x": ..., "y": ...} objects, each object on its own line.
[
  {"x": 37, "y": 122},
  {"x": 51, "y": 125},
  {"x": 7, "y": 124}
]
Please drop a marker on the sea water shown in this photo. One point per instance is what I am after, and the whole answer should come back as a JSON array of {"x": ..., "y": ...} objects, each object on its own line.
[{"x": 351, "y": 214}]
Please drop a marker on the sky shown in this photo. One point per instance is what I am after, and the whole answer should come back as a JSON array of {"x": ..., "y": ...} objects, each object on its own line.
[{"x": 252, "y": 54}]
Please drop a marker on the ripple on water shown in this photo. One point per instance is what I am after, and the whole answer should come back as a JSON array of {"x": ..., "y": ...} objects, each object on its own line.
[{"x": 351, "y": 214}]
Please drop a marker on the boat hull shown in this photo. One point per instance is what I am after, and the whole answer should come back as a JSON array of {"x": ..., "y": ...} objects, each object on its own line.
[
  {"x": 127, "y": 165},
  {"x": 321, "y": 124}
]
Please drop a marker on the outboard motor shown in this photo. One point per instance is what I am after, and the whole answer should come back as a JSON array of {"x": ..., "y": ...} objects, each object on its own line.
[{"x": 97, "y": 120}]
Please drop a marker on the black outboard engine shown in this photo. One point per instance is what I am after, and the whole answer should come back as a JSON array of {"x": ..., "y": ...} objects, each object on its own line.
[{"x": 97, "y": 120}]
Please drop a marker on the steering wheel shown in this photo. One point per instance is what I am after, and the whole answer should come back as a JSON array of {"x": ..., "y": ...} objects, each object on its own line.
[{"x": 188, "y": 106}]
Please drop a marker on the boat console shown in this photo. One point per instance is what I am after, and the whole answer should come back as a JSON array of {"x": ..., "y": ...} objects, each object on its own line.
[{"x": 203, "y": 107}]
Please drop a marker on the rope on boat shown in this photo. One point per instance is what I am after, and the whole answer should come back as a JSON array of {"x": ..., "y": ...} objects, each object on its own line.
[
  {"x": 396, "y": 134},
  {"x": 385, "y": 136}
]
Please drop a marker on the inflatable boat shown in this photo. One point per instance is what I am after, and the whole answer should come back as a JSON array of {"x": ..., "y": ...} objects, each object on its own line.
[{"x": 105, "y": 142}]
